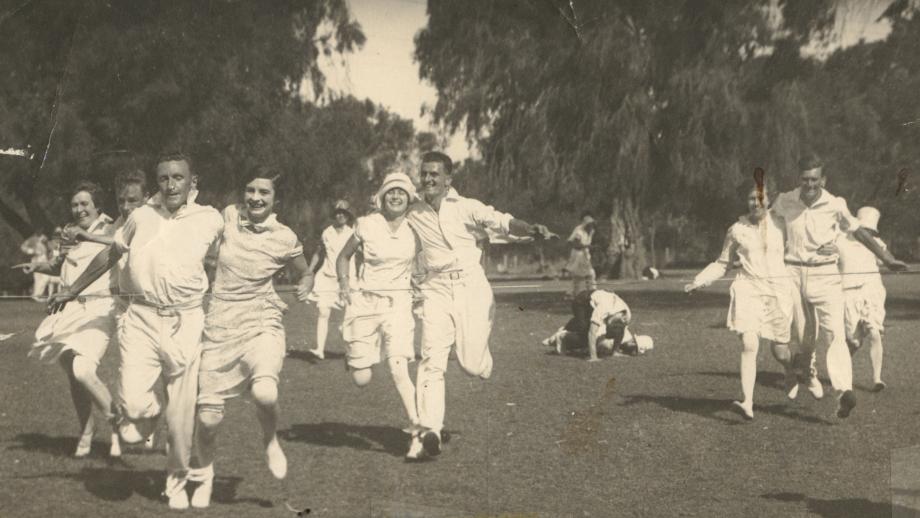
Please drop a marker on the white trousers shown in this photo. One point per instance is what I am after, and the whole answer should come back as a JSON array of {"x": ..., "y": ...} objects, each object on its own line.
[
  {"x": 821, "y": 297},
  {"x": 168, "y": 343},
  {"x": 456, "y": 311}
]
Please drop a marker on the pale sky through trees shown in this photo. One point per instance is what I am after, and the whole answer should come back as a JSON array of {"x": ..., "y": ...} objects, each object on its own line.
[{"x": 385, "y": 72}]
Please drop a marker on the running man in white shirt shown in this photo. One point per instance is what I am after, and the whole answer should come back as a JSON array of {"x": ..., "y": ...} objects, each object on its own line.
[
  {"x": 458, "y": 305},
  {"x": 599, "y": 323},
  {"x": 167, "y": 241},
  {"x": 244, "y": 342},
  {"x": 761, "y": 306},
  {"x": 325, "y": 287},
  {"x": 379, "y": 313},
  {"x": 78, "y": 337},
  {"x": 812, "y": 219},
  {"x": 864, "y": 294}
]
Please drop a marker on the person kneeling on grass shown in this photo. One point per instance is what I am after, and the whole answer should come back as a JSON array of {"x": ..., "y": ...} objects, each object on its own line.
[{"x": 599, "y": 323}]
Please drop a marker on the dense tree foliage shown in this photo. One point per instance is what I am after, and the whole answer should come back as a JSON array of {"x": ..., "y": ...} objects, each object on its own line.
[{"x": 657, "y": 112}]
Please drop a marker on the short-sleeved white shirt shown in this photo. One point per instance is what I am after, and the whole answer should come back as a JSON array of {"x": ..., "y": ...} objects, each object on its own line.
[
  {"x": 388, "y": 255},
  {"x": 606, "y": 303},
  {"x": 334, "y": 241},
  {"x": 857, "y": 263},
  {"x": 808, "y": 228},
  {"x": 251, "y": 253},
  {"x": 166, "y": 252}
]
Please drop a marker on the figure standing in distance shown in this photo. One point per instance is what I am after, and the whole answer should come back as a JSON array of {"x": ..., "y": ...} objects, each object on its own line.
[
  {"x": 579, "y": 264},
  {"x": 325, "y": 287},
  {"x": 458, "y": 307}
]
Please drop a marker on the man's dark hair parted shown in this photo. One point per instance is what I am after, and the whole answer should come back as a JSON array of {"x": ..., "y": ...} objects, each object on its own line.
[
  {"x": 172, "y": 155},
  {"x": 810, "y": 161},
  {"x": 437, "y": 156}
]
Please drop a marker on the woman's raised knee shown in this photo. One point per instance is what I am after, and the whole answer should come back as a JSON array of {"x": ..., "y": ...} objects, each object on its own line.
[
  {"x": 265, "y": 392},
  {"x": 84, "y": 370},
  {"x": 210, "y": 416}
]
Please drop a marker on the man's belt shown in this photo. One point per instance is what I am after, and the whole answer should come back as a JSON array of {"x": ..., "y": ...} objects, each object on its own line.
[
  {"x": 810, "y": 265},
  {"x": 166, "y": 308}
]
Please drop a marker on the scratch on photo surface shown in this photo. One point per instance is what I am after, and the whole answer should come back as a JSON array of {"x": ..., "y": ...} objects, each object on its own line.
[
  {"x": 571, "y": 18},
  {"x": 60, "y": 90}
]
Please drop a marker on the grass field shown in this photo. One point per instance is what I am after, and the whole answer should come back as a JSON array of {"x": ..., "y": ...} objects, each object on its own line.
[{"x": 546, "y": 436}]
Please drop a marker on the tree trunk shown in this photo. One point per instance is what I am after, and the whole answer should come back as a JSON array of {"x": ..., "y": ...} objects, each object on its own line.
[{"x": 635, "y": 254}]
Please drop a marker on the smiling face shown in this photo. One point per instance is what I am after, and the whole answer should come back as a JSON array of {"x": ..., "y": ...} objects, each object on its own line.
[
  {"x": 83, "y": 209},
  {"x": 175, "y": 180},
  {"x": 811, "y": 181},
  {"x": 259, "y": 198},
  {"x": 756, "y": 209},
  {"x": 435, "y": 180},
  {"x": 129, "y": 198},
  {"x": 395, "y": 202}
]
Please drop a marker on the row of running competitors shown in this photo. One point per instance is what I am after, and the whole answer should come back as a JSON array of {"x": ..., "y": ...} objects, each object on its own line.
[
  {"x": 808, "y": 270},
  {"x": 143, "y": 279}
]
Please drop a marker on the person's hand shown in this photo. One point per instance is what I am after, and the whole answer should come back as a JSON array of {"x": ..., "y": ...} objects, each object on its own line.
[
  {"x": 897, "y": 266},
  {"x": 344, "y": 292},
  {"x": 304, "y": 288},
  {"x": 828, "y": 249},
  {"x": 542, "y": 231},
  {"x": 27, "y": 268},
  {"x": 74, "y": 233},
  {"x": 60, "y": 299},
  {"x": 691, "y": 287}
]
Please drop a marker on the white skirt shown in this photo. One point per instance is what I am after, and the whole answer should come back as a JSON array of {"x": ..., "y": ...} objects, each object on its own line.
[
  {"x": 82, "y": 327},
  {"x": 864, "y": 305},
  {"x": 762, "y": 307}
]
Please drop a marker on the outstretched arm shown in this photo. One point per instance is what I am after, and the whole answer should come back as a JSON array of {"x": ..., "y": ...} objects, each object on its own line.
[
  {"x": 717, "y": 269},
  {"x": 100, "y": 264},
  {"x": 521, "y": 228},
  {"x": 863, "y": 236}
]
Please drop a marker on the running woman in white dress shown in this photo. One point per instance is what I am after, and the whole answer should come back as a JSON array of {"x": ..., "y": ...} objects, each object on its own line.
[
  {"x": 78, "y": 337},
  {"x": 761, "y": 307},
  {"x": 864, "y": 294},
  {"x": 244, "y": 342},
  {"x": 379, "y": 313},
  {"x": 325, "y": 288}
]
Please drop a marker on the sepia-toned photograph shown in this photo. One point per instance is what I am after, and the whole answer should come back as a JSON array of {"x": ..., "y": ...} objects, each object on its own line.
[{"x": 460, "y": 258}]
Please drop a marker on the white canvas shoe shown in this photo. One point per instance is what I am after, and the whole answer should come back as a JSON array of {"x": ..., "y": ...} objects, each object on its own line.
[
  {"x": 274, "y": 457},
  {"x": 179, "y": 500},
  {"x": 201, "y": 496}
]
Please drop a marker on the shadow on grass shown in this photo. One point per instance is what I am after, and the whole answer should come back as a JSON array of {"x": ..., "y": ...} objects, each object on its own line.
[
  {"x": 297, "y": 354},
  {"x": 769, "y": 379},
  {"x": 843, "y": 507},
  {"x": 386, "y": 439},
  {"x": 118, "y": 480},
  {"x": 715, "y": 408}
]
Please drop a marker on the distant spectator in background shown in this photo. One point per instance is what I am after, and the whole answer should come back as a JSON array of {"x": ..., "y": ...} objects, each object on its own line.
[
  {"x": 38, "y": 249},
  {"x": 326, "y": 287},
  {"x": 579, "y": 264}
]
